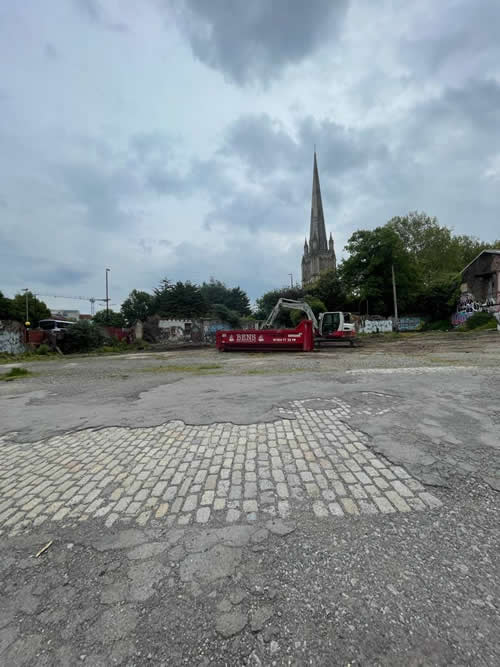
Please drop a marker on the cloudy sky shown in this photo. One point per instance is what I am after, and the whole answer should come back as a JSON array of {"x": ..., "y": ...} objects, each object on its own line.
[{"x": 175, "y": 137}]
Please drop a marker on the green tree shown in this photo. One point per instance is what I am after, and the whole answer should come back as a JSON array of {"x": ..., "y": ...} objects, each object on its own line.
[
  {"x": 367, "y": 272},
  {"x": 37, "y": 310},
  {"x": 227, "y": 315},
  {"x": 234, "y": 298},
  {"x": 433, "y": 247},
  {"x": 81, "y": 337},
  {"x": 317, "y": 306},
  {"x": 109, "y": 319},
  {"x": 438, "y": 298},
  {"x": 138, "y": 306},
  {"x": 268, "y": 300},
  {"x": 5, "y": 307},
  {"x": 426, "y": 242},
  {"x": 330, "y": 290},
  {"x": 179, "y": 300}
]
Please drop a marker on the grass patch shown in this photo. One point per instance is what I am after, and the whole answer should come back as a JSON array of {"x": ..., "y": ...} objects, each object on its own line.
[
  {"x": 274, "y": 371},
  {"x": 176, "y": 368},
  {"x": 14, "y": 374},
  {"x": 27, "y": 356}
]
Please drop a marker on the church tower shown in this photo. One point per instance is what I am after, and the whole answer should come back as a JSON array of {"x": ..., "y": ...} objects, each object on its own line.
[{"x": 319, "y": 254}]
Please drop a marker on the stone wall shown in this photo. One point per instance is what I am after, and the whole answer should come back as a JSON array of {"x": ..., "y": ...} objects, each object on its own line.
[{"x": 11, "y": 337}]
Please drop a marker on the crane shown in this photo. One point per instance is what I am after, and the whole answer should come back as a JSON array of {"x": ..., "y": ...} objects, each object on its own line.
[{"x": 92, "y": 299}]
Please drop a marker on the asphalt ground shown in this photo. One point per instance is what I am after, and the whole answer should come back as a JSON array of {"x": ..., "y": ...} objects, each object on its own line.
[{"x": 276, "y": 576}]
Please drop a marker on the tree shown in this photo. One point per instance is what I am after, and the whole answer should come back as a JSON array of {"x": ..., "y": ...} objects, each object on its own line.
[
  {"x": 434, "y": 247},
  {"x": 427, "y": 243},
  {"x": 5, "y": 307},
  {"x": 37, "y": 310},
  {"x": 179, "y": 300},
  {"x": 226, "y": 315},
  {"x": 317, "y": 306},
  {"x": 367, "y": 272},
  {"x": 330, "y": 290},
  {"x": 438, "y": 299},
  {"x": 138, "y": 306},
  {"x": 234, "y": 298},
  {"x": 81, "y": 337},
  {"x": 109, "y": 319},
  {"x": 267, "y": 301}
]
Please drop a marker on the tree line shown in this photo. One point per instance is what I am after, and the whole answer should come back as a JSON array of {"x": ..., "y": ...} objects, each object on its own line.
[{"x": 427, "y": 259}]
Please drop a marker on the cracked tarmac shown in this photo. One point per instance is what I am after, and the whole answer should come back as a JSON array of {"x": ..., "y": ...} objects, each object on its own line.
[{"x": 261, "y": 562}]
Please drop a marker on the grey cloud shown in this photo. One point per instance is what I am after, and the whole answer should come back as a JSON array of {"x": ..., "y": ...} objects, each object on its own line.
[
  {"x": 153, "y": 143},
  {"x": 261, "y": 142},
  {"x": 455, "y": 38},
  {"x": 102, "y": 193},
  {"x": 279, "y": 166},
  {"x": 50, "y": 51},
  {"x": 94, "y": 11},
  {"x": 255, "y": 40},
  {"x": 265, "y": 146},
  {"x": 146, "y": 246},
  {"x": 167, "y": 182},
  {"x": 235, "y": 262}
]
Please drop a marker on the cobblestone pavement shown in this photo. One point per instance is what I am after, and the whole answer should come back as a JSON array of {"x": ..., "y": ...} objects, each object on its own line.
[{"x": 222, "y": 473}]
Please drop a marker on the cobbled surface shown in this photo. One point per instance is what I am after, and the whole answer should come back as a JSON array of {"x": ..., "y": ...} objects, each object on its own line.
[{"x": 224, "y": 473}]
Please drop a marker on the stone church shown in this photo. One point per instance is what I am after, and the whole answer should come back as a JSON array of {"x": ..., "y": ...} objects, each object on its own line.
[{"x": 319, "y": 254}]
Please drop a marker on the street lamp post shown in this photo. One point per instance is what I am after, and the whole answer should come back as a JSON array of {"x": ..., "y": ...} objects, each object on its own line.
[
  {"x": 25, "y": 290},
  {"x": 107, "y": 296}
]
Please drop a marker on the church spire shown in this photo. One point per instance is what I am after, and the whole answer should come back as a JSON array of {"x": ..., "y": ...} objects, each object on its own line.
[{"x": 317, "y": 235}]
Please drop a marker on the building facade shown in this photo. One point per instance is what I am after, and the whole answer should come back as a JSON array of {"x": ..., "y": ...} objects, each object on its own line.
[
  {"x": 480, "y": 288},
  {"x": 319, "y": 254}
]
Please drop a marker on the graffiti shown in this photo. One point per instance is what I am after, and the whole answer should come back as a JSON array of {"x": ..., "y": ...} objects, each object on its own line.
[
  {"x": 11, "y": 337},
  {"x": 457, "y": 319},
  {"x": 211, "y": 329},
  {"x": 409, "y": 323},
  {"x": 468, "y": 304},
  {"x": 376, "y": 326}
]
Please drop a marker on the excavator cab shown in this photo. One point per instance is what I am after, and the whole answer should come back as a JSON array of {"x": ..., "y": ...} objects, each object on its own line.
[
  {"x": 330, "y": 323},
  {"x": 336, "y": 325}
]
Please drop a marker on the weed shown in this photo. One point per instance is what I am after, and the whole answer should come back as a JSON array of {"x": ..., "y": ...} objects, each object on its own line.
[{"x": 14, "y": 373}]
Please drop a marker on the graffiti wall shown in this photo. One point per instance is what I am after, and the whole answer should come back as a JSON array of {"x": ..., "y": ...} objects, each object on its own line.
[
  {"x": 376, "y": 326},
  {"x": 457, "y": 319},
  {"x": 11, "y": 337},
  {"x": 468, "y": 305},
  {"x": 410, "y": 323}
]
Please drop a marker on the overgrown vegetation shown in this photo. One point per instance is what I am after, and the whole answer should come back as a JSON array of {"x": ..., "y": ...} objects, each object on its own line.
[
  {"x": 83, "y": 336},
  {"x": 14, "y": 374},
  {"x": 481, "y": 321},
  {"x": 15, "y": 309}
]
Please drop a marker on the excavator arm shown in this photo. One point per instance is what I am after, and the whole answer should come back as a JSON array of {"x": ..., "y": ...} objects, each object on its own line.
[{"x": 290, "y": 304}]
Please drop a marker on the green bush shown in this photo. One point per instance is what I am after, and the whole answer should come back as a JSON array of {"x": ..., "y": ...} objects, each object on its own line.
[
  {"x": 43, "y": 349},
  {"x": 439, "y": 325},
  {"x": 83, "y": 336},
  {"x": 481, "y": 320},
  {"x": 226, "y": 315}
]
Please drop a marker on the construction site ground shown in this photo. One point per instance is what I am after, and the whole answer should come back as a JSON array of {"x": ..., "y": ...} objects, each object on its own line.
[{"x": 334, "y": 507}]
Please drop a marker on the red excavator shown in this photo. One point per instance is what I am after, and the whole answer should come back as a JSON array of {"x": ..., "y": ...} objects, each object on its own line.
[{"x": 332, "y": 327}]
